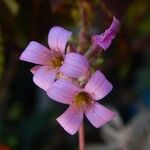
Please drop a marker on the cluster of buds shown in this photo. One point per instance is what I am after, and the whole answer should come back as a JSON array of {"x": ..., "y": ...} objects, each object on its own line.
[{"x": 68, "y": 78}]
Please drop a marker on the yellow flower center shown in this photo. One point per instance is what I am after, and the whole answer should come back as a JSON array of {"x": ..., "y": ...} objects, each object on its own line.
[
  {"x": 57, "y": 62},
  {"x": 83, "y": 99}
]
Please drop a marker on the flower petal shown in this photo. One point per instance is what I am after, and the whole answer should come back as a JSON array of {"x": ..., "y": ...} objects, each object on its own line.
[
  {"x": 98, "y": 86},
  {"x": 44, "y": 78},
  {"x": 75, "y": 65},
  {"x": 104, "y": 40},
  {"x": 34, "y": 69},
  {"x": 35, "y": 53},
  {"x": 98, "y": 115},
  {"x": 63, "y": 91},
  {"x": 57, "y": 38},
  {"x": 71, "y": 120}
]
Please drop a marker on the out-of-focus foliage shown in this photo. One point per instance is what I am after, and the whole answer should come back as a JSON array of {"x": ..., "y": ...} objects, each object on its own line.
[
  {"x": 12, "y": 6},
  {"x": 27, "y": 116},
  {"x": 1, "y": 55},
  {"x": 142, "y": 14}
]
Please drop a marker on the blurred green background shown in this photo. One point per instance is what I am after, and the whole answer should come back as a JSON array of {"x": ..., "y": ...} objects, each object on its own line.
[{"x": 27, "y": 115}]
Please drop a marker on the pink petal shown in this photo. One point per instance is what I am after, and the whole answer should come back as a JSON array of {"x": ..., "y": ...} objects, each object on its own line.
[
  {"x": 35, "y": 53},
  {"x": 57, "y": 38},
  {"x": 44, "y": 78},
  {"x": 104, "y": 40},
  {"x": 71, "y": 120},
  {"x": 114, "y": 27},
  {"x": 98, "y": 115},
  {"x": 75, "y": 65},
  {"x": 34, "y": 69},
  {"x": 98, "y": 86},
  {"x": 52, "y": 56},
  {"x": 63, "y": 91}
]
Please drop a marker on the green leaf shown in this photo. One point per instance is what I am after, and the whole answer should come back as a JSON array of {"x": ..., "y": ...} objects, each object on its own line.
[{"x": 12, "y": 5}]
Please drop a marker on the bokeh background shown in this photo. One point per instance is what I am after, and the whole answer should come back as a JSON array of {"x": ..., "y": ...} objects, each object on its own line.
[{"x": 27, "y": 115}]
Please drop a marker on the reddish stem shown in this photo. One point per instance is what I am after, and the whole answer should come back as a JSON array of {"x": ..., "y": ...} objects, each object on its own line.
[
  {"x": 81, "y": 138},
  {"x": 93, "y": 52}
]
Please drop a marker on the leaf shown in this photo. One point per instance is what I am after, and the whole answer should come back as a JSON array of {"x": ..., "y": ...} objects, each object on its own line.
[{"x": 12, "y": 5}]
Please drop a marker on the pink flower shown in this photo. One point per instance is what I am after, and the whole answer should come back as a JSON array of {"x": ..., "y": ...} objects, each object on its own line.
[
  {"x": 82, "y": 100},
  {"x": 50, "y": 62},
  {"x": 104, "y": 40}
]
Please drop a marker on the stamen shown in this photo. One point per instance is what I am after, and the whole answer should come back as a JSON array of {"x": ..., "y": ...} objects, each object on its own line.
[
  {"x": 56, "y": 62},
  {"x": 82, "y": 100}
]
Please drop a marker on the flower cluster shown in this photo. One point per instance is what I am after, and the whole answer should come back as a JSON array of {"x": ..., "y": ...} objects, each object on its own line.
[{"x": 61, "y": 73}]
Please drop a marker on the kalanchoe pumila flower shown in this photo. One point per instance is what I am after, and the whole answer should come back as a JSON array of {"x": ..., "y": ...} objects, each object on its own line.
[
  {"x": 104, "y": 40},
  {"x": 50, "y": 62},
  {"x": 82, "y": 101}
]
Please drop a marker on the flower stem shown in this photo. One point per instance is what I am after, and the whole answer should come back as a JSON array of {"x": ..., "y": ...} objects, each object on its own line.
[
  {"x": 81, "y": 138},
  {"x": 93, "y": 52},
  {"x": 83, "y": 25}
]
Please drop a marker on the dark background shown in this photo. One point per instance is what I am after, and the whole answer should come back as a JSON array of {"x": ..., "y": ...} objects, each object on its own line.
[{"x": 27, "y": 115}]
